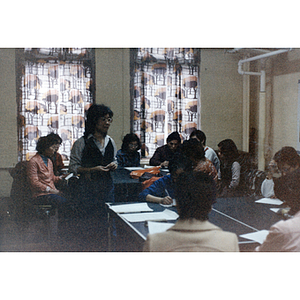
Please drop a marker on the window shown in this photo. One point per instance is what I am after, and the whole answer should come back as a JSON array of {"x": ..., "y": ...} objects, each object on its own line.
[
  {"x": 165, "y": 93},
  {"x": 55, "y": 89}
]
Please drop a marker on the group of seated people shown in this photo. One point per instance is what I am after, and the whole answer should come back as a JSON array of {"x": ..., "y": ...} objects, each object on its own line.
[{"x": 197, "y": 176}]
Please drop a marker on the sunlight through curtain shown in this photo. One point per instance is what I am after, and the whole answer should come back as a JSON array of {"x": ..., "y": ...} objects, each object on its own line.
[
  {"x": 165, "y": 93},
  {"x": 56, "y": 88}
]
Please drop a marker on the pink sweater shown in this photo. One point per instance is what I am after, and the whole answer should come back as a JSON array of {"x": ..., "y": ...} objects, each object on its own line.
[{"x": 40, "y": 176}]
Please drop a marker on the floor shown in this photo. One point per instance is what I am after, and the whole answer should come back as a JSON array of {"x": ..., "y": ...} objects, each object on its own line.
[{"x": 74, "y": 234}]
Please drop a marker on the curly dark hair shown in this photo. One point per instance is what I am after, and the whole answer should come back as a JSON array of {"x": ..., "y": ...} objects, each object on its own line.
[
  {"x": 128, "y": 138},
  {"x": 195, "y": 195},
  {"x": 44, "y": 143},
  {"x": 56, "y": 138}
]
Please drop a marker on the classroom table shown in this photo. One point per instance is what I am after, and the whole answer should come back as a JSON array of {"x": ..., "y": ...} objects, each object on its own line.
[{"x": 240, "y": 215}]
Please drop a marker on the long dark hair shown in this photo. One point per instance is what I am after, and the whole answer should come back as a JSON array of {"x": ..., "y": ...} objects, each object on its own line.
[{"x": 230, "y": 154}]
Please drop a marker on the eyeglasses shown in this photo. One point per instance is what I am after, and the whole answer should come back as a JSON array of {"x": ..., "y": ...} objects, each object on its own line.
[
  {"x": 109, "y": 120},
  {"x": 133, "y": 146}
]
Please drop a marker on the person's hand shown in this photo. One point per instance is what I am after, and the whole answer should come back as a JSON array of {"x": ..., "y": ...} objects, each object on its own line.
[
  {"x": 166, "y": 200},
  {"x": 52, "y": 191},
  {"x": 164, "y": 164},
  {"x": 112, "y": 166},
  {"x": 101, "y": 169},
  {"x": 64, "y": 175}
]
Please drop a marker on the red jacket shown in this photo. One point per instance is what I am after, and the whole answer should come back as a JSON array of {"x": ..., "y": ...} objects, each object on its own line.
[{"x": 40, "y": 176}]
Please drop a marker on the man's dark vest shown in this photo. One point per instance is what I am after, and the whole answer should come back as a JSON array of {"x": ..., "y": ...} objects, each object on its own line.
[{"x": 92, "y": 156}]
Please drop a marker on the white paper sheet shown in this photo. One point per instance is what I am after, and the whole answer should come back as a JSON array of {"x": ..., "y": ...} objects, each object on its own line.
[
  {"x": 275, "y": 210},
  {"x": 135, "y": 207},
  {"x": 169, "y": 205},
  {"x": 258, "y": 236},
  {"x": 156, "y": 227},
  {"x": 133, "y": 168},
  {"x": 269, "y": 201},
  {"x": 141, "y": 217}
]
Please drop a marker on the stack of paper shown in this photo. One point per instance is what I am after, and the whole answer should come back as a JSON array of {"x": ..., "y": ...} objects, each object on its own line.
[
  {"x": 135, "y": 207},
  {"x": 161, "y": 216}
]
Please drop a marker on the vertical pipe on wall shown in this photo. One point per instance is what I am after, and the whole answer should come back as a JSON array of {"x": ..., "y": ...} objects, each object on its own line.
[
  {"x": 262, "y": 122},
  {"x": 246, "y": 110}
]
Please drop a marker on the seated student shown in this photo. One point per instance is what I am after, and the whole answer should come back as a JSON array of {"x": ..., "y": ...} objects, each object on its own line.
[
  {"x": 128, "y": 155},
  {"x": 40, "y": 174},
  {"x": 195, "y": 194},
  {"x": 163, "y": 154},
  {"x": 230, "y": 169},
  {"x": 285, "y": 235},
  {"x": 194, "y": 150},
  {"x": 57, "y": 160},
  {"x": 162, "y": 190},
  {"x": 209, "y": 152},
  {"x": 286, "y": 160}
]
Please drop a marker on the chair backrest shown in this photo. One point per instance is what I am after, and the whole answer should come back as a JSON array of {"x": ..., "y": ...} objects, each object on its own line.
[
  {"x": 20, "y": 190},
  {"x": 253, "y": 181}
]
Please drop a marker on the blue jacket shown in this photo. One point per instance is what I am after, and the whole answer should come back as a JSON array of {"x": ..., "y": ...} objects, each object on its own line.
[{"x": 158, "y": 188}]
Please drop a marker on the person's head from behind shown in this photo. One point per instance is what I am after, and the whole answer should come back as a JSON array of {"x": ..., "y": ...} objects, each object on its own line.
[
  {"x": 228, "y": 150},
  {"x": 199, "y": 135},
  {"x": 131, "y": 143},
  {"x": 98, "y": 119},
  {"x": 56, "y": 140},
  {"x": 179, "y": 164},
  {"x": 287, "y": 189},
  {"x": 193, "y": 149},
  {"x": 195, "y": 193},
  {"x": 173, "y": 141},
  {"x": 287, "y": 160},
  {"x": 46, "y": 146}
]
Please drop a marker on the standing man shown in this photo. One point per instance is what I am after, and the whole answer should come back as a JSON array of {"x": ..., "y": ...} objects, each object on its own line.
[
  {"x": 209, "y": 152},
  {"x": 93, "y": 157}
]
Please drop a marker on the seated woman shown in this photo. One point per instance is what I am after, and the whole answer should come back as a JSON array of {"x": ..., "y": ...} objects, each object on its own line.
[
  {"x": 162, "y": 190},
  {"x": 128, "y": 155},
  {"x": 230, "y": 169},
  {"x": 195, "y": 195},
  {"x": 194, "y": 150},
  {"x": 40, "y": 174},
  {"x": 285, "y": 235}
]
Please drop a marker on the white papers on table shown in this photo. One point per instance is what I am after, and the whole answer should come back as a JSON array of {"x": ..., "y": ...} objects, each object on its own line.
[
  {"x": 269, "y": 201},
  {"x": 135, "y": 207},
  {"x": 133, "y": 168},
  {"x": 141, "y": 217},
  {"x": 275, "y": 210},
  {"x": 258, "y": 236},
  {"x": 155, "y": 227},
  {"x": 169, "y": 205}
]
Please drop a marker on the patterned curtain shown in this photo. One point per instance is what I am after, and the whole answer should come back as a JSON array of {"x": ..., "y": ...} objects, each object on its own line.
[
  {"x": 55, "y": 89},
  {"x": 165, "y": 93}
]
